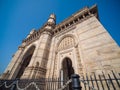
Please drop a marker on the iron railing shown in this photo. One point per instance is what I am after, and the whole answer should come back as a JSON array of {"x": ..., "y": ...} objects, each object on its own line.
[
  {"x": 103, "y": 81},
  {"x": 35, "y": 84}
]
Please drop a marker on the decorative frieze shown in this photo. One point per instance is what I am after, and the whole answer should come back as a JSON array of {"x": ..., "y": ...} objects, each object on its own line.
[{"x": 76, "y": 18}]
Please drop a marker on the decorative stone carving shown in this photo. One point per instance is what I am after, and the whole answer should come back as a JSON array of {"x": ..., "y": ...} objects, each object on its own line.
[{"x": 67, "y": 42}]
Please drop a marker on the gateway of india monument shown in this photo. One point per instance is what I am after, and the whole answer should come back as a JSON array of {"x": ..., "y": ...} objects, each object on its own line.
[{"x": 78, "y": 45}]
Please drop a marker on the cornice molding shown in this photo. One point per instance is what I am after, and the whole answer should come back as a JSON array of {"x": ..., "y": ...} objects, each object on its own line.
[{"x": 76, "y": 18}]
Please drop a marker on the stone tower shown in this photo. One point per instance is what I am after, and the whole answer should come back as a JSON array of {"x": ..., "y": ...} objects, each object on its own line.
[{"x": 79, "y": 44}]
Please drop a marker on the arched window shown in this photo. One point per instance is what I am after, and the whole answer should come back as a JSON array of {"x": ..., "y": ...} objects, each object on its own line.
[{"x": 66, "y": 42}]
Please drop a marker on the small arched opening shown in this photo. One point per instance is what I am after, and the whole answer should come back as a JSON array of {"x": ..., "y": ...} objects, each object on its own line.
[{"x": 26, "y": 60}]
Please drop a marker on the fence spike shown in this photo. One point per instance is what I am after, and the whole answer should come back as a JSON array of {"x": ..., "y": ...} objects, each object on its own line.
[
  {"x": 106, "y": 81},
  {"x": 116, "y": 79},
  {"x": 92, "y": 81},
  {"x": 96, "y": 81},
  {"x": 111, "y": 82},
  {"x": 101, "y": 82}
]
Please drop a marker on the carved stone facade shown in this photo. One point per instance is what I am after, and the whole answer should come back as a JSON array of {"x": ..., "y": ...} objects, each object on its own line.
[{"x": 79, "y": 44}]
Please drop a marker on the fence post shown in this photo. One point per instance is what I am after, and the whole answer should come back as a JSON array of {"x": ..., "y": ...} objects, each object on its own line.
[{"x": 76, "y": 82}]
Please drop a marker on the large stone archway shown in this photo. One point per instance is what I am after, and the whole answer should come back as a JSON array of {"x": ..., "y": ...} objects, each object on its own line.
[{"x": 26, "y": 60}]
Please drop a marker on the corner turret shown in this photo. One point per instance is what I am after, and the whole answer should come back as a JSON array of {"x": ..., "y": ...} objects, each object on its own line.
[{"x": 51, "y": 22}]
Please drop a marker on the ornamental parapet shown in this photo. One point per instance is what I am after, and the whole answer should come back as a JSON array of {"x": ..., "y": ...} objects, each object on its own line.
[
  {"x": 76, "y": 18},
  {"x": 33, "y": 37}
]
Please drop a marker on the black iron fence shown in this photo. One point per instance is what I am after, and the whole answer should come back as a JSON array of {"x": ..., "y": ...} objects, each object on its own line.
[
  {"x": 103, "y": 81},
  {"x": 35, "y": 84}
]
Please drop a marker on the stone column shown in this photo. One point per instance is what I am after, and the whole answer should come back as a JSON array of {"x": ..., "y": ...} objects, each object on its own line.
[
  {"x": 42, "y": 51},
  {"x": 42, "y": 54}
]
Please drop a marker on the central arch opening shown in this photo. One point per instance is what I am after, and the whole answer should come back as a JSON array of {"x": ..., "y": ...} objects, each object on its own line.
[
  {"x": 67, "y": 71},
  {"x": 67, "y": 68}
]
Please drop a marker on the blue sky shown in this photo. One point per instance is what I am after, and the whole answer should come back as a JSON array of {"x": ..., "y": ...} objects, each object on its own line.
[{"x": 18, "y": 17}]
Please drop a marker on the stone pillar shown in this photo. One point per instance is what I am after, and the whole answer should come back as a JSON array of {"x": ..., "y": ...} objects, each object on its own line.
[
  {"x": 41, "y": 52},
  {"x": 42, "y": 55}
]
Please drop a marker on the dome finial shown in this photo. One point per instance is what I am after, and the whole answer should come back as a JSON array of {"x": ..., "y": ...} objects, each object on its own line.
[
  {"x": 52, "y": 19},
  {"x": 53, "y": 16}
]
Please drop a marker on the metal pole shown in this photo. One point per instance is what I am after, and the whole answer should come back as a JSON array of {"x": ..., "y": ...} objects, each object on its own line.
[{"x": 76, "y": 82}]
